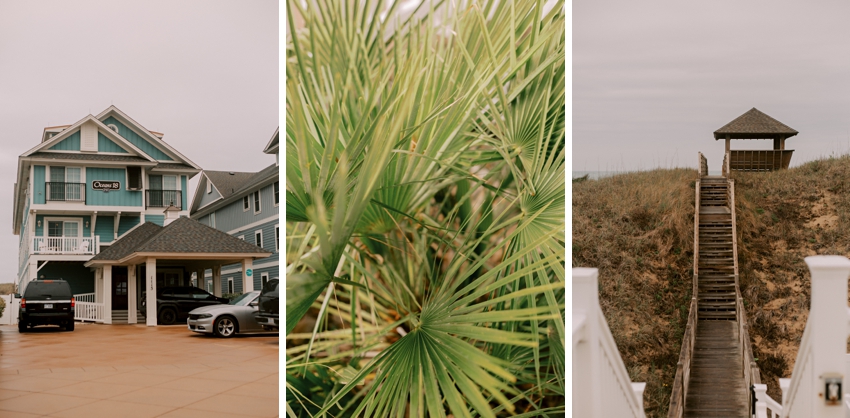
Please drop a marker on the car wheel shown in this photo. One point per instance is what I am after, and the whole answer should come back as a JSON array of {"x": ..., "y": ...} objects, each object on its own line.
[
  {"x": 70, "y": 326},
  {"x": 225, "y": 327},
  {"x": 22, "y": 327},
  {"x": 167, "y": 316}
]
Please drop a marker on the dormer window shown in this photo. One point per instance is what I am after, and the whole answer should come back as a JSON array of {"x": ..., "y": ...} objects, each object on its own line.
[{"x": 113, "y": 127}]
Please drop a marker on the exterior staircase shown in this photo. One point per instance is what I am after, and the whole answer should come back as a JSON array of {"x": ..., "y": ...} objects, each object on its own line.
[
  {"x": 716, "y": 278},
  {"x": 120, "y": 317}
]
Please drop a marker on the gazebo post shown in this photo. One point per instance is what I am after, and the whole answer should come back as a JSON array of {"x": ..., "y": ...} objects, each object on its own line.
[{"x": 728, "y": 143}]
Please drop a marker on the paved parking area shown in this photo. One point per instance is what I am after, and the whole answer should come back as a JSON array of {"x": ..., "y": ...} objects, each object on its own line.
[{"x": 136, "y": 371}]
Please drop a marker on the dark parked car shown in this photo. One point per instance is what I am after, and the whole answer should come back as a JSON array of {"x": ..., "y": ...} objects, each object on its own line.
[
  {"x": 46, "y": 302},
  {"x": 174, "y": 303},
  {"x": 267, "y": 315}
]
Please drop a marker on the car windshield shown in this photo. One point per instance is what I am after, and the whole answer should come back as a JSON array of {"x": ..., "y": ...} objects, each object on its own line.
[{"x": 244, "y": 299}]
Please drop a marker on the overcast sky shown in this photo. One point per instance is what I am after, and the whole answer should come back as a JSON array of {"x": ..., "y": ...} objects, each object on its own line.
[
  {"x": 653, "y": 80},
  {"x": 204, "y": 73}
]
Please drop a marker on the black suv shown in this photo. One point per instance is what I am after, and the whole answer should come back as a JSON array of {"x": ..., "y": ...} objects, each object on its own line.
[
  {"x": 267, "y": 315},
  {"x": 46, "y": 302},
  {"x": 174, "y": 303}
]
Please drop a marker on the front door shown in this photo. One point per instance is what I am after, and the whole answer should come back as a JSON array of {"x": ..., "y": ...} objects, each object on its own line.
[{"x": 119, "y": 289}]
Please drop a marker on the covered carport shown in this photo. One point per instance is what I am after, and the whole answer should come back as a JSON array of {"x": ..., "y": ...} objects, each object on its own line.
[{"x": 150, "y": 254}]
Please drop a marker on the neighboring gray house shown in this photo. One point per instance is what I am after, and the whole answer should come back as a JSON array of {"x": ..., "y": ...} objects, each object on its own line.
[{"x": 245, "y": 205}]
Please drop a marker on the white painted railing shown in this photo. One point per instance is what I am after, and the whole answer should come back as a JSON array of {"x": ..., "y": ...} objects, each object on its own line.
[
  {"x": 601, "y": 384},
  {"x": 63, "y": 245},
  {"x": 88, "y": 311},
  {"x": 823, "y": 349},
  {"x": 84, "y": 297}
]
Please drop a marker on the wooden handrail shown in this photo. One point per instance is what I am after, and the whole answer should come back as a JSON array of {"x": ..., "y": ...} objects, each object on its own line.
[
  {"x": 703, "y": 165},
  {"x": 679, "y": 390}
]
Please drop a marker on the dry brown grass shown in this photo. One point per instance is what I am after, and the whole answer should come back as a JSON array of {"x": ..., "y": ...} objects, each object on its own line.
[
  {"x": 637, "y": 228},
  {"x": 782, "y": 218},
  {"x": 7, "y": 288}
]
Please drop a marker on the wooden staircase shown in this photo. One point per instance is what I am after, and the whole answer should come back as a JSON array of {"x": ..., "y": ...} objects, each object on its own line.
[
  {"x": 716, "y": 385},
  {"x": 716, "y": 272},
  {"x": 120, "y": 317}
]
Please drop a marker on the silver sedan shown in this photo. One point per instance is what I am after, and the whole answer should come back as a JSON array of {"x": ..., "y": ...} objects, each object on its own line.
[{"x": 227, "y": 320}]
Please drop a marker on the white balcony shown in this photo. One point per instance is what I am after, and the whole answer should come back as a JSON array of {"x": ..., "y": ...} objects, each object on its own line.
[{"x": 64, "y": 245}]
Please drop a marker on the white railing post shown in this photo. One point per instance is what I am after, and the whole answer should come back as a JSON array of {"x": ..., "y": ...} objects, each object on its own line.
[
  {"x": 761, "y": 405},
  {"x": 828, "y": 345},
  {"x": 586, "y": 391},
  {"x": 784, "y": 384}
]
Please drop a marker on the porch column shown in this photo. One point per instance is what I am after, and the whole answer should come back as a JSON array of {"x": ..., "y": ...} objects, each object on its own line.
[
  {"x": 32, "y": 271},
  {"x": 150, "y": 291},
  {"x": 247, "y": 275},
  {"x": 107, "y": 294},
  {"x": 216, "y": 278},
  {"x": 131, "y": 295},
  {"x": 98, "y": 285},
  {"x": 200, "y": 279}
]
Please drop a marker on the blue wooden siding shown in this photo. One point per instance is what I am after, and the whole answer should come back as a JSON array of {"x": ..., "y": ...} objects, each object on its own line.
[
  {"x": 137, "y": 140},
  {"x": 105, "y": 144},
  {"x": 79, "y": 277},
  {"x": 71, "y": 143},
  {"x": 185, "y": 193},
  {"x": 207, "y": 198},
  {"x": 105, "y": 229},
  {"x": 122, "y": 197},
  {"x": 126, "y": 223},
  {"x": 232, "y": 216},
  {"x": 157, "y": 219},
  {"x": 38, "y": 184}
]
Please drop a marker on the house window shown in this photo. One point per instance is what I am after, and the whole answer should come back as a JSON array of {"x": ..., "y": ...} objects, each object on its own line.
[
  {"x": 276, "y": 193},
  {"x": 258, "y": 238},
  {"x": 65, "y": 184},
  {"x": 264, "y": 278},
  {"x": 134, "y": 178},
  {"x": 257, "y": 207},
  {"x": 230, "y": 286},
  {"x": 245, "y": 204},
  {"x": 277, "y": 238}
]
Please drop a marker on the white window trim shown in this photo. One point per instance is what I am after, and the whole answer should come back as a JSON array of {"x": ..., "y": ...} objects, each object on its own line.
[
  {"x": 263, "y": 276},
  {"x": 258, "y": 202},
  {"x": 278, "y": 193},
  {"x": 242, "y": 237},
  {"x": 79, "y": 222},
  {"x": 245, "y": 209},
  {"x": 259, "y": 231},
  {"x": 277, "y": 238},
  {"x": 127, "y": 178}
]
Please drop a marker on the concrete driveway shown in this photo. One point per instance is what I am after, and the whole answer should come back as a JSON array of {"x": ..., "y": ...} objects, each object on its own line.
[{"x": 136, "y": 371}]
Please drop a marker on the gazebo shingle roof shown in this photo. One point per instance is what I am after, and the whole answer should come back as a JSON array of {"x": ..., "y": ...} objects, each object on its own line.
[
  {"x": 183, "y": 235},
  {"x": 754, "y": 124}
]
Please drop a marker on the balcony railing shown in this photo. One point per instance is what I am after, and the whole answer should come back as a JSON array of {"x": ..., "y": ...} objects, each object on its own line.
[
  {"x": 64, "y": 245},
  {"x": 65, "y": 192},
  {"x": 163, "y": 198}
]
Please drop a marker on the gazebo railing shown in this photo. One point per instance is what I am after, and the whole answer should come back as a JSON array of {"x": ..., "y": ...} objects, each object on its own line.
[{"x": 759, "y": 160}]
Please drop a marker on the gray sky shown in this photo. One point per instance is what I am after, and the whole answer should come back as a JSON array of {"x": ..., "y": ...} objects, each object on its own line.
[
  {"x": 204, "y": 73},
  {"x": 653, "y": 80}
]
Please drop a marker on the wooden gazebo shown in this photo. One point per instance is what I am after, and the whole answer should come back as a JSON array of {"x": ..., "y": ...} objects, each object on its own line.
[{"x": 756, "y": 125}]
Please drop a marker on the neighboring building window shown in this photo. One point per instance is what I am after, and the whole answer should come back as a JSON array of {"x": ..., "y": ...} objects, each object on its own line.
[
  {"x": 230, "y": 286},
  {"x": 277, "y": 238},
  {"x": 246, "y": 203},
  {"x": 134, "y": 178},
  {"x": 264, "y": 278},
  {"x": 212, "y": 219},
  {"x": 258, "y": 238},
  {"x": 163, "y": 192},
  {"x": 257, "y": 207},
  {"x": 276, "y": 193}
]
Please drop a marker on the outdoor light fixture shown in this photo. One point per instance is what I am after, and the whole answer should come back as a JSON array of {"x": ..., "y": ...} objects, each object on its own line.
[
  {"x": 832, "y": 388},
  {"x": 39, "y": 224},
  {"x": 87, "y": 224}
]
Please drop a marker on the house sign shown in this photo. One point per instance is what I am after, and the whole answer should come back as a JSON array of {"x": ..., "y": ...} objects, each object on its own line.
[{"x": 105, "y": 185}]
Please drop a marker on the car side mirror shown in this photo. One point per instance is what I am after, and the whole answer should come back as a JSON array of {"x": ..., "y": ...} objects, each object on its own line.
[{"x": 253, "y": 304}]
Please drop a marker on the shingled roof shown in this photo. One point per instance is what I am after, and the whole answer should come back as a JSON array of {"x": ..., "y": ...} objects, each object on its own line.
[
  {"x": 754, "y": 124},
  {"x": 227, "y": 182},
  {"x": 183, "y": 236}
]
